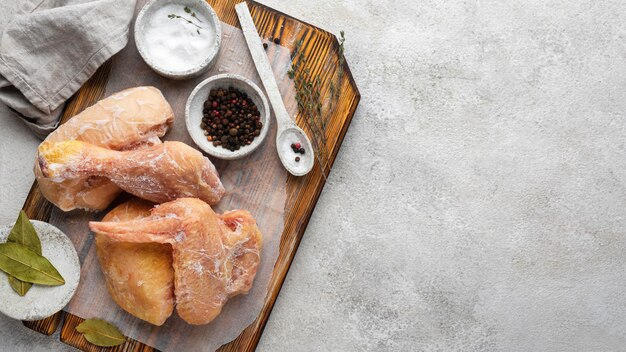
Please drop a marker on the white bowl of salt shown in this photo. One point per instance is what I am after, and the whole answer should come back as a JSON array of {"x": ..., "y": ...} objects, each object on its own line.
[{"x": 178, "y": 39}]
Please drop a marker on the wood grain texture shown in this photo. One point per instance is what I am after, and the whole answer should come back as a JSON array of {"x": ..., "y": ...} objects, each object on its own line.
[
  {"x": 70, "y": 336},
  {"x": 45, "y": 326},
  {"x": 322, "y": 50}
]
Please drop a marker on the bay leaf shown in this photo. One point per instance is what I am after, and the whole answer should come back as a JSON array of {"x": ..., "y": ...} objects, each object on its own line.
[
  {"x": 19, "y": 261},
  {"x": 24, "y": 233},
  {"x": 101, "y": 333},
  {"x": 19, "y": 286}
]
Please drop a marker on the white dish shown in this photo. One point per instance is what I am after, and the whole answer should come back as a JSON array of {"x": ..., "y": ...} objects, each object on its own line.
[
  {"x": 195, "y": 104},
  {"x": 155, "y": 48},
  {"x": 43, "y": 301}
]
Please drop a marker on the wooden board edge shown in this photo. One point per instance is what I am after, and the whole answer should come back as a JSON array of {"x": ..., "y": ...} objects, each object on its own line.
[
  {"x": 45, "y": 326},
  {"x": 70, "y": 336},
  {"x": 230, "y": 17},
  {"x": 258, "y": 326},
  {"x": 346, "y": 67}
]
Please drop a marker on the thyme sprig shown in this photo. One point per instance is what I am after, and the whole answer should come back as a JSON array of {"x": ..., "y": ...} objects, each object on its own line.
[
  {"x": 334, "y": 91},
  {"x": 308, "y": 97},
  {"x": 193, "y": 14}
]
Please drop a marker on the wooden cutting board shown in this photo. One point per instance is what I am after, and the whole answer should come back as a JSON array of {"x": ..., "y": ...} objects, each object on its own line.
[{"x": 324, "y": 62}]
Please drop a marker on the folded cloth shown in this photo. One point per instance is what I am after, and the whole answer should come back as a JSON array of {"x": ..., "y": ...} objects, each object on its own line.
[{"x": 50, "y": 48}]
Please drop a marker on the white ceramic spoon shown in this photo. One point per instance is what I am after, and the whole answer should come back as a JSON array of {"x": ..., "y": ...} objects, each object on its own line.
[{"x": 287, "y": 132}]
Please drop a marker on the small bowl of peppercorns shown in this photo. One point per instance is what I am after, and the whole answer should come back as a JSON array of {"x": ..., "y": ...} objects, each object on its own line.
[{"x": 227, "y": 116}]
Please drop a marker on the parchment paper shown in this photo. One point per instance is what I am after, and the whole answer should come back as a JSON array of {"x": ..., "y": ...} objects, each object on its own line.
[{"x": 256, "y": 183}]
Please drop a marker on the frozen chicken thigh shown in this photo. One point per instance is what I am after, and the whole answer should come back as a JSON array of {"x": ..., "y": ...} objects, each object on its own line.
[{"x": 139, "y": 276}]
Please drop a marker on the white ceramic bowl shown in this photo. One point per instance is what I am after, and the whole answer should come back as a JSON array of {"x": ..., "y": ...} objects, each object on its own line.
[
  {"x": 195, "y": 104},
  {"x": 143, "y": 19},
  {"x": 43, "y": 301}
]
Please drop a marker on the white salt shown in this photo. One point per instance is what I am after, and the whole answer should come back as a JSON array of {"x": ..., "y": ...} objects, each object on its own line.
[{"x": 174, "y": 44}]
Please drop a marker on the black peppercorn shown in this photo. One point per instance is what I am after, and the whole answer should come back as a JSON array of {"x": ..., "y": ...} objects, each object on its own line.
[
  {"x": 276, "y": 41},
  {"x": 264, "y": 45},
  {"x": 231, "y": 119}
]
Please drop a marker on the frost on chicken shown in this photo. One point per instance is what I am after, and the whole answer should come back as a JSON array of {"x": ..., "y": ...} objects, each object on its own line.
[
  {"x": 160, "y": 173},
  {"x": 217, "y": 258},
  {"x": 139, "y": 276},
  {"x": 116, "y": 123}
]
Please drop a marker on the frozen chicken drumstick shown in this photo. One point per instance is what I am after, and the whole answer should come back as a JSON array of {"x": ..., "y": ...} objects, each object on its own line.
[{"x": 131, "y": 119}]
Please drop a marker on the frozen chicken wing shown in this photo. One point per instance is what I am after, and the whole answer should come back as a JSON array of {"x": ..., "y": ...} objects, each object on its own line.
[{"x": 214, "y": 257}]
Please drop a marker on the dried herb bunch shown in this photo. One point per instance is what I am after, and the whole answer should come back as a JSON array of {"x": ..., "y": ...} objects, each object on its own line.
[
  {"x": 308, "y": 96},
  {"x": 333, "y": 89}
]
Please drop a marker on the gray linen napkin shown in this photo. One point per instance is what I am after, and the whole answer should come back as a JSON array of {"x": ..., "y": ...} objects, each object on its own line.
[{"x": 49, "y": 48}]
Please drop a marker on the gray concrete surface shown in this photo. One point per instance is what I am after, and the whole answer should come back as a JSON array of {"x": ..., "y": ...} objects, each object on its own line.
[{"x": 478, "y": 201}]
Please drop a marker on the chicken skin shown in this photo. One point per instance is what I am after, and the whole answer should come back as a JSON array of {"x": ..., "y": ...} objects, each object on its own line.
[
  {"x": 159, "y": 173},
  {"x": 139, "y": 276},
  {"x": 130, "y": 119},
  {"x": 214, "y": 257}
]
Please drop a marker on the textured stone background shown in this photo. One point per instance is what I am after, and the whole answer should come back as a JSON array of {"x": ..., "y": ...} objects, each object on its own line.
[{"x": 478, "y": 201}]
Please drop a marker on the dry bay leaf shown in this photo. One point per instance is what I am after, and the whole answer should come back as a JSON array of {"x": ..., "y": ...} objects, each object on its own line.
[
  {"x": 24, "y": 233},
  {"x": 19, "y": 261},
  {"x": 19, "y": 286},
  {"x": 101, "y": 333}
]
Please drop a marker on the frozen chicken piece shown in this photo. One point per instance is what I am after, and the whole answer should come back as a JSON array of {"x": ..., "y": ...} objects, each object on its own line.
[
  {"x": 130, "y": 119},
  {"x": 242, "y": 236},
  {"x": 139, "y": 276},
  {"x": 215, "y": 257},
  {"x": 159, "y": 173}
]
